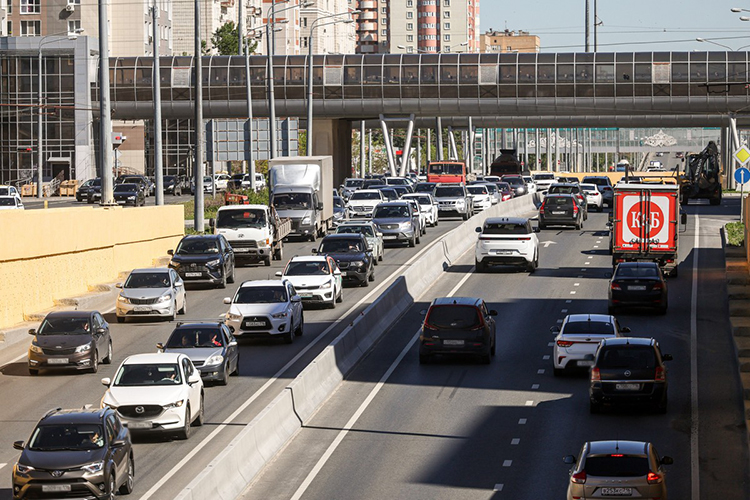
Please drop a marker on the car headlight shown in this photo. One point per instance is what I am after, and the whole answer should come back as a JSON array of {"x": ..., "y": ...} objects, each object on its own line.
[
  {"x": 213, "y": 263},
  {"x": 404, "y": 225},
  {"x": 130, "y": 198},
  {"x": 122, "y": 299},
  {"x": 84, "y": 347},
  {"x": 176, "y": 404},
  {"x": 94, "y": 467},
  {"x": 327, "y": 284},
  {"x": 165, "y": 298},
  {"x": 233, "y": 316},
  {"x": 306, "y": 220},
  {"x": 35, "y": 348},
  {"x": 280, "y": 315},
  {"x": 460, "y": 202},
  {"x": 357, "y": 263},
  {"x": 216, "y": 359},
  {"x": 23, "y": 469}
]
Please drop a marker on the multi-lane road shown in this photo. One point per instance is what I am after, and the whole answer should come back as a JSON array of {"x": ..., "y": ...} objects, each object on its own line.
[
  {"x": 164, "y": 467},
  {"x": 461, "y": 430}
]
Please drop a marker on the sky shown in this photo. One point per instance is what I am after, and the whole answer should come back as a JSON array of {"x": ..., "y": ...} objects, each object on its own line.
[{"x": 627, "y": 26}]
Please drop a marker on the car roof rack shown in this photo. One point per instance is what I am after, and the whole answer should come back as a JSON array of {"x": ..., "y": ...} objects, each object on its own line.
[{"x": 51, "y": 412}]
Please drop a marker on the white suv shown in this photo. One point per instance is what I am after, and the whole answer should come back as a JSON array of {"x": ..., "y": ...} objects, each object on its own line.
[
  {"x": 427, "y": 206},
  {"x": 507, "y": 240},
  {"x": 316, "y": 279},
  {"x": 362, "y": 202},
  {"x": 265, "y": 308},
  {"x": 156, "y": 393},
  {"x": 579, "y": 337},
  {"x": 594, "y": 198}
]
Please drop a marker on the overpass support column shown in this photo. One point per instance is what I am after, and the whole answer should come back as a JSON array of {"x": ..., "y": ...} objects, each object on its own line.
[
  {"x": 537, "y": 150},
  {"x": 439, "y": 137},
  {"x": 388, "y": 146},
  {"x": 735, "y": 147},
  {"x": 362, "y": 149},
  {"x": 548, "y": 151},
  {"x": 407, "y": 146},
  {"x": 369, "y": 151},
  {"x": 557, "y": 150},
  {"x": 452, "y": 144},
  {"x": 334, "y": 138}
]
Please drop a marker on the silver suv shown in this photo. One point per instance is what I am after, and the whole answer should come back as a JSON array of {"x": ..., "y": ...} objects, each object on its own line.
[
  {"x": 454, "y": 199},
  {"x": 398, "y": 221}
]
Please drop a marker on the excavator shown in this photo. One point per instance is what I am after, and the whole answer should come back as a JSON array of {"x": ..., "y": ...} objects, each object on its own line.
[{"x": 702, "y": 176}]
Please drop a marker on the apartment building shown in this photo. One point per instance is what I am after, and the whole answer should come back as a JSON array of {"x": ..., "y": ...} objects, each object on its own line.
[
  {"x": 332, "y": 35},
  {"x": 509, "y": 41},
  {"x": 431, "y": 26}
]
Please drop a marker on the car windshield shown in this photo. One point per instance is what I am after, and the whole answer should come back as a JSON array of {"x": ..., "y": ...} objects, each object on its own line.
[
  {"x": 207, "y": 179},
  {"x": 359, "y": 195},
  {"x": 422, "y": 200},
  {"x": 64, "y": 326},
  {"x": 185, "y": 338},
  {"x": 131, "y": 180},
  {"x": 125, "y": 188},
  {"x": 588, "y": 327},
  {"x": 260, "y": 295},
  {"x": 600, "y": 181},
  {"x": 446, "y": 191},
  {"x": 354, "y": 183},
  {"x": 492, "y": 188},
  {"x": 147, "y": 280},
  {"x": 340, "y": 246},
  {"x": 396, "y": 181},
  {"x": 636, "y": 272},
  {"x": 589, "y": 188},
  {"x": 453, "y": 317},
  {"x": 631, "y": 357},
  {"x": 503, "y": 186},
  {"x": 97, "y": 182},
  {"x": 134, "y": 375},
  {"x": 514, "y": 181},
  {"x": 505, "y": 228},
  {"x": 7, "y": 202},
  {"x": 169, "y": 179},
  {"x": 243, "y": 217},
  {"x": 391, "y": 212},
  {"x": 424, "y": 188},
  {"x": 477, "y": 189},
  {"x": 67, "y": 437},
  {"x": 617, "y": 466},
  {"x": 366, "y": 230},
  {"x": 544, "y": 177},
  {"x": 197, "y": 246},
  {"x": 308, "y": 268},
  {"x": 290, "y": 201}
]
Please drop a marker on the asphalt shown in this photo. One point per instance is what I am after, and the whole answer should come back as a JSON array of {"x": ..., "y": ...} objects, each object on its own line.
[
  {"x": 266, "y": 366},
  {"x": 456, "y": 429}
]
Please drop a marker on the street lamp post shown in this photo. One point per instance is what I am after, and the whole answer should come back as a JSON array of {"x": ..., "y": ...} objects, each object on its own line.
[
  {"x": 314, "y": 25},
  {"x": 462, "y": 44},
  {"x": 706, "y": 40},
  {"x": 40, "y": 125}
]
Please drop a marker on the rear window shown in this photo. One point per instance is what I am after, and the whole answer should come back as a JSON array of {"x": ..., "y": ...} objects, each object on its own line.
[
  {"x": 507, "y": 228},
  {"x": 592, "y": 327},
  {"x": 544, "y": 177},
  {"x": 636, "y": 272},
  {"x": 632, "y": 357},
  {"x": 609, "y": 466},
  {"x": 559, "y": 201},
  {"x": 599, "y": 181},
  {"x": 453, "y": 317},
  {"x": 563, "y": 189}
]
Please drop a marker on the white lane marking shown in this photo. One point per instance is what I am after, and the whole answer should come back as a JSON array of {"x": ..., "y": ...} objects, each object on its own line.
[
  {"x": 18, "y": 358},
  {"x": 559, "y": 321},
  {"x": 498, "y": 487},
  {"x": 586, "y": 263},
  {"x": 545, "y": 357},
  {"x": 550, "y": 344},
  {"x": 576, "y": 284},
  {"x": 568, "y": 301},
  {"x": 155, "y": 488},
  {"x": 580, "y": 276},
  {"x": 522, "y": 421},
  {"x": 529, "y": 403},
  {"x": 596, "y": 246},
  {"x": 564, "y": 311},
  {"x": 540, "y": 371},
  {"x": 590, "y": 257},
  {"x": 584, "y": 269},
  {"x": 694, "y": 427},
  {"x": 370, "y": 397},
  {"x": 534, "y": 387},
  {"x": 514, "y": 441},
  {"x": 3, "y": 465},
  {"x": 507, "y": 463},
  {"x": 573, "y": 292}
]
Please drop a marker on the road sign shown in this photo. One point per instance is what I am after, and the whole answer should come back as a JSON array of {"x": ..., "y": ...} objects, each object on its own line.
[
  {"x": 742, "y": 155},
  {"x": 742, "y": 175}
]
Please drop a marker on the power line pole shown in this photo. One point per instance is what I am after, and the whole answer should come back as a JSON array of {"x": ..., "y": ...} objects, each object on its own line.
[
  {"x": 199, "y": 223},
  {"x": 588, "y": 25},
  {"x": 105, "y": 120},
  {"x": 156, "y": 79}
]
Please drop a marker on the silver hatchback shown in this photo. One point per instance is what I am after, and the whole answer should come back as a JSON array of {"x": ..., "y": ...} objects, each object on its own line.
[{"x": 617, "y": 469}]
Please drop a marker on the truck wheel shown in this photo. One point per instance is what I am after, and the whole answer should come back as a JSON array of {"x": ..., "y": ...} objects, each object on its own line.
[
  {"x": 267, "y": 261},
  {"x": 278, "y": 254},
  {"x": 674, "y": 272}
]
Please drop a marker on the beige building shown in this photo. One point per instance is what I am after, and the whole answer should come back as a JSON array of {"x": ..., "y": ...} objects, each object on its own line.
[
  {"x": 330, "y": 37},
  {"x": 509, "y": 41}
]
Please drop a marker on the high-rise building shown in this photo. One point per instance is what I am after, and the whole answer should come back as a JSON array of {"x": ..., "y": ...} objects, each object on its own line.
[
  {"x": 509, "y": 41},
  {"x": 332, "y": 35}
]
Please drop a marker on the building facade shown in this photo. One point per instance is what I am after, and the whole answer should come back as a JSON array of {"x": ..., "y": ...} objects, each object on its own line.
[
  {"x": 331, "y": 34},
  {"x": 430, "y": 26},
  {"x": 509, "y": 41}
]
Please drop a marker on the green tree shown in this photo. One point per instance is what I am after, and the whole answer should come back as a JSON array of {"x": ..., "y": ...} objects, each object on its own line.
[{"x": 225, "y": 40}]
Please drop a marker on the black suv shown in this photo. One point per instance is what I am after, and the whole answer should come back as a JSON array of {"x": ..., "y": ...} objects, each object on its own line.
[
  {"x": 560, "y": 210},
  {"x": 129, "y": 193},
  {"x": 83, "y": 191},
  {"x": 352, "y": 256},
  {"x": 460, "y": 325},
  {"x": 75, "y": 454},
  {"x": 629, "y": 371},
  {"x": 173, "y": 185},
  {"x": 204, "y": 259}
]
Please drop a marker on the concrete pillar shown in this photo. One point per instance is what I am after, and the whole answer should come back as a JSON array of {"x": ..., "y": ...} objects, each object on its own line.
[
  {"x": 548, "y": 150},
  {"x": 439, "y": 136},
  {"x": 419, "y": 150},
  {"x": 361, "y": 147},
  {"x": 557, "y": 150},
  {"x": 369, "y": 151},
  {"x": 526, "y": 149},
  {"x": 334, "y": 138},
  {"x": 388, "y": 146},
  {"x": 429, "y": 145},
  {"x": 407, "y": 146}
]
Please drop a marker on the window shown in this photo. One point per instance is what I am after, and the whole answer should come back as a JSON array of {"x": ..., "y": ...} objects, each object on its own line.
[
  {"x": 74, "y": 26},
  {"x": 409, "y": 27},
  {"x": 30, "y": 7},
  {"x": 410, "y": 49},
  {"x": 304, "y": 41},
  {"x": 10, "y": 28},
  {"x": 31, "y": 28},
  {"x": 447, "y": 38},
  {"x": 384, "y": 10},
  {"x": 409, "y": 3},
  {"x": 304, "y": 22},
  {"x": 446, "y": 3},
  {"x": 409, "y": 38},
  {"x": 447, "y": 14},
  {"x": 409, "y": 15},
  {"x": 446, "y": 26},
  {"x": 446, "y": 48}
]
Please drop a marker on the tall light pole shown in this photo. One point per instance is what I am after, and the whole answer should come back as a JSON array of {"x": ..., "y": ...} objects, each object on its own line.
[
  {"x": 198, "y": 215},
  {"x": 156, "y": 82},
  {"x": 40, "y": 125},
  {"x": 706, "y": 40},
  {"x": 105, "y": 120},
  {"x": 314, "y": 25}
]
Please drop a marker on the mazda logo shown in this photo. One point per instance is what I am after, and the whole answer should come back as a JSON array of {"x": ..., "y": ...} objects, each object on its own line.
[
  {"x": 627, "y": 373},
  {"x": 140, "y": 409},
  {"x": 57, "y": 473}
]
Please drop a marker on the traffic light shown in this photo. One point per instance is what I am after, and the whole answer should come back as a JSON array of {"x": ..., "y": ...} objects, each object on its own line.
[{"x": 25, "y": 149}]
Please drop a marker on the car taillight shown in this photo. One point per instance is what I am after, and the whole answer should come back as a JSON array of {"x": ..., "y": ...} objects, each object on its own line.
[
  {"x": 660, "y": 375},
  {"x": 654, "y": 478},
  {"x": 541, "y": 208},
  {"x": 579, "y": 477},
  {"x": 615, "y": 286},
  {"x": 657, "y": 286},
  {"x": 596, "y": 376},
  {"x": 564, "y": 343},
  {"x": 428, "y": 326},
  {"x": 575, "y": 209}
]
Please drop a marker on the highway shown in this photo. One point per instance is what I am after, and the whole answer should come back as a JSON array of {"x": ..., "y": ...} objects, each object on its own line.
[
  {"x": 456, "y": 429},
  {"x": 164, "y": 467}
]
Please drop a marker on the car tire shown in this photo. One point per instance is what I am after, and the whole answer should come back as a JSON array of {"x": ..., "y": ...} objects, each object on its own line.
[
  {"x": 493, "y": 348},
  {"x": 365, "y": 282},
  {"x": 184, "y": 307},
  {"x": 558, "y": 372},
  {"x": 300, "y": 328},
  {"x": 112, "y": 489},
  {"x": 121, "y": 319},
  {"x": 435, "y": 223},
  {"x": 95, "y": 362},
  {"x": 465, "y": 216},
  {"x": 417, "y": 239},
  {"x": 542, "y": 226},
  {"x": 412, "y": 241},
  {"x": 675, "y": 272},
  {"x": 278, "y": 254},
  {"x": 267, "y": 261},
  {"x": 340, "y": 298},
  {"x": 33, "y": 372},
  {"x": 424, "y": 359},
  {"x": 531, "y": 266},
  {"x": 126, "y": 488},
  {"x": 380, "y": 257},
  {"x": 108, "y": 359},
  {"x": 223, "y": 282},
  {"x": 663, "y": 309},
  {"x": 594, "y": 408},
  {"x": 479, "y": 266},
  {"x": 486, "y": 359},
  {"x": 174, "y": 312},
  {"x": 184, "y": 433},
  {"x": 371, "y": 277},
  {"x": 224, "y": 380},
  {"x": 288, "y": 337},
  {"x": 578, "y": 226},
  {"x": 332, "y": 303},
  {"x": 236, "y": 371}
]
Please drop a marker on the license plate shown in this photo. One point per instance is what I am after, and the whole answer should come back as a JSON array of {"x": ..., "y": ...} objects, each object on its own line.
[
  {"x": 139, "y": 425},
  {"x": 255, "y": 323},
  {"x": 637, "y": 288},
  {"x": 585, "y": 363},
  {"x": 241, "y": 250},
  {"x": 390, "y": 236},
  {"x": 57, "y": 361},
  {"x": 617, "y": 491},
  {"x": 55, "y": 488},
  {"x": 141, "y": 309},
  {"x": 193, "y": 275},
  {"x": 501, "y": 252},
  {"x": 627, "y": 387},
  {"x": 453, "y": 342},
  {"x": 306, "y": 295},
  {"x": 558, "y": 213}
]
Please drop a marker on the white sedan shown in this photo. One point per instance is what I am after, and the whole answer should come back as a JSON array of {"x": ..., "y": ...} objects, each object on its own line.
[
  {"x": 481, "y": 196},
  {"x": 10, "y": 203},
  {"x": 427, "y": 206},
  {"x": 594, "y": 198},
  {"x": 530, "y": 184},
  {"x": 316, "y": 278},
  {"x": 156, "y": 393},
  {"x": 578, "y": 338}
]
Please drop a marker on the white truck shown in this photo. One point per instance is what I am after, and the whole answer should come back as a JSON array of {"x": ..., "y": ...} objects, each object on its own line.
[
  {"x": 301, "y": 189},
  {"x": 255, "y": 232}
]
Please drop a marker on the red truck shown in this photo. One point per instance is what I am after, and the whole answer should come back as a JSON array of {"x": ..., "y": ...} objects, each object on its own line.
[
  {"x": 447, "y": 172},
  {"x": 645, "y": 224}
]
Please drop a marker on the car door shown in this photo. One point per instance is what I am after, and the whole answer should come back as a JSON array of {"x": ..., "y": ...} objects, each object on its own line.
[
  {"x": 228, "y": 254},
  {"x": 296, "y": 307},
  {"x": 232, "y": 348},
  {"x": 333, "y": 267},
  {"x": 194, "y": 390},
  {"x": 118, "y": 454},
  {"x": 178, "y": 288}
]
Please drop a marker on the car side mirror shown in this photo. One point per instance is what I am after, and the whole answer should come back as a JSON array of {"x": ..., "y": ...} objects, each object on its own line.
[
  {"x": 19, "y": 445},
  {"x": 32, "y": 332},
  {"x": 227, "y": 300},
  {"x": 101, "y": 331},
  {"x": 170, "y": 252},
  {"x": 625, "y": 329},
  {"x": 478, "y": 229},
  {"x": 314, "y": 251},
  {"x": 569, "y": 459},
  {"x": 683, "y": 218},
  {"x": 537, "y": 229},
  {"x": 118, "y": 285},
  {"x": 319, "y": 206},
  {"x": 233, "y": 343},
  {"x": 106, "y": 381},
  {"x": 588, "y": 357},
  {"x": 555, "y": 330},
  {"x": 118, "y": 443},
  {"x": 665, "y": 460},
  {"x": 493, "y": 312},
  {"x": 194, "y": 378},
  {"x": 608, "y": 224},
  {"x": 666, "y": 357},
  {"x": 423, "y": 312},
  {"x": 160, "y": 346},
  {"x": 296, "y": 298},
  {"x": 337, "y": 272}
]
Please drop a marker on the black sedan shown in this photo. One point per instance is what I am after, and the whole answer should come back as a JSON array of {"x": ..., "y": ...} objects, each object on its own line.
[
  {"x": 638, "y": 284},
  {"x": 350, "y": 252},
  {"x": 172, "y": 185},
  {"x": 82, "y": 193},
  {"x": 210, "y": 346},
  {"x": 129, "y": 194},
  {"x": 204, "y": 259}
]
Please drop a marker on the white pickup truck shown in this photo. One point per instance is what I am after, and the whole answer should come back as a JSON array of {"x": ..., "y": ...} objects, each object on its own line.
[{"x": 255, "y": 232}]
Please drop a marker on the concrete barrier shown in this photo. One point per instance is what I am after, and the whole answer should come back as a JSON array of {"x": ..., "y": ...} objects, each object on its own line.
[{"x": 235, "y": 467}]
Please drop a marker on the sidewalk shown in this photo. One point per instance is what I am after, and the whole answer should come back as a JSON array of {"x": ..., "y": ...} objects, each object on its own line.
[{"x": 738, "y": 289}]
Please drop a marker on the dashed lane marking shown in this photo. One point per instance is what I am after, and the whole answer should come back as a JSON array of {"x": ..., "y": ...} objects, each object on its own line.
[
  {"x": 529, "y": 403},
  {"x": 540, "y": 371},
  {"x": 498, "y": 487},
  {"x": 522, "y": 421},
  {"x": 515, "y": 441},
  {"x": 507, "y": 463},
  {"x": 534, "y": 387}
]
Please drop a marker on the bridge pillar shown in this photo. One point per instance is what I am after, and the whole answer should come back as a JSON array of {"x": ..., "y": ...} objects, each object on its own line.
[{"x": 334, "y": 138}]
